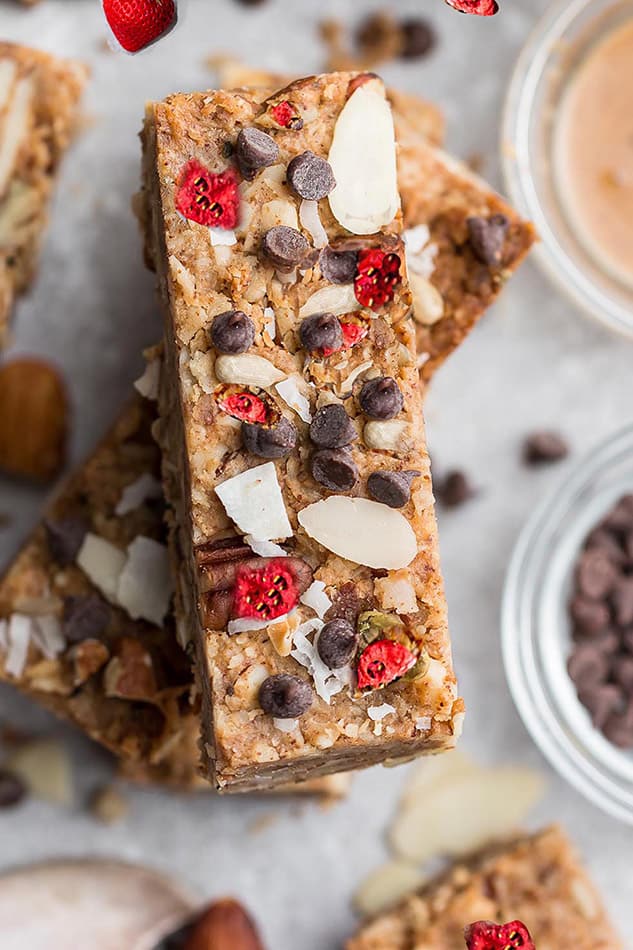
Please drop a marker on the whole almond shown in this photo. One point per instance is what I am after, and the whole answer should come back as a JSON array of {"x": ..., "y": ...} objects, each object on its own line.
[
  {"x": 225, "y": 925},
  {"x": 33, "y": 419}
]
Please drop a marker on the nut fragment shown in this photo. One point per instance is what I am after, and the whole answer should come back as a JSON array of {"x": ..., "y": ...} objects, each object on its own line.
[
  {"x": 130, "y": 674},
  {"x": 247, "y": 369},
  {"x": 391, "y": 435},
  {"x": 428, "y": 305},
  {"x": 225, "y": 925}
]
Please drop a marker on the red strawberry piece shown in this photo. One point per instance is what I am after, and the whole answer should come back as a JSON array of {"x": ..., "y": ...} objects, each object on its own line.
[
  {"x": 486, "y": 935},
  {"x": 265, "y": 592},
  {"x": 377, "y": 276},
  {"x": 382, "y": 662},
  {"x": 206, "y": 198},
  {"x": 285, "y": 115},
  {"x": 245, "y": 406},
  {"x": 137, "y": 23},
  {"x": 476, "y": 7}
]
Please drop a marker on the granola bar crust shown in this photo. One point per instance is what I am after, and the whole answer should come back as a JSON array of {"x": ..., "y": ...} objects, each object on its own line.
[
  {"x": 538, "y": 879},
  {"x": 39, "y": 98},
  {"x": 245, "y": 748}
]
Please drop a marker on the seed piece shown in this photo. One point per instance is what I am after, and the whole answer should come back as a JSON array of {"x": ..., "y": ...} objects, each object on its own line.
[
  {"x": 232, "y": 332},
  {"x": 285, "y": 697}
]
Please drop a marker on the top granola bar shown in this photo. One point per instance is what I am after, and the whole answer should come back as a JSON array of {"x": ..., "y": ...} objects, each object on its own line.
[{"x": 292, "y": 414}]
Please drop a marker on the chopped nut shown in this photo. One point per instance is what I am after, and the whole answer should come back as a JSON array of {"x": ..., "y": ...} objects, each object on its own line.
[
  {"x": 428, "y": 305},
  {"x": 130, "y": 674},
  {"x": 87, "y": 658}
]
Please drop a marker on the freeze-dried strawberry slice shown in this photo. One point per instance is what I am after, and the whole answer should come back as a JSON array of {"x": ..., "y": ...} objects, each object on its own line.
[
  {"x": 382, "y": 662},
  {"x": 266, "y": 592},
  {"x": 285, "y": 115},
  {"x": 377, "y": 276},
  {"x": 245, "y": 406},
  {"x": 476, "y": 7},
  {"x": 206, "y": 198},
  {"x": 486, "y": 935}
]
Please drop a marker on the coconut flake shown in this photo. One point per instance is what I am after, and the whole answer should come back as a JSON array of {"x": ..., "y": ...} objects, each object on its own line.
[
  {"x": 222, "y": 237},
  {"x": 145, "y": 586},
  {"x": 19, "y": 637},
  {"x": 242, "y": 624},
  {"x": 147, "y": 384},
  {"x": 415, "y": 239},
  {"x": 102, "y": 562},
  {"x": 311, "y": 221},
  {"x": 424, "y": 262},
  {"x": 285, "y": 725},
  {"x": 253, "y": 501},
  {"x": 289, "y": 391},
  {"x": 334, "y": 298},
  {"x": 316, "y": 598},
  {"x": 264, "y": 548},
  {"x": 377, "y": 713},
  {"x": 423, "y": 723},
  {"x": 47, "y": 635},
  {"x": 137, "y": 492},
  {"x": 346, "y": 385},
  {"x": 326, "y": 683},
  {"x": 223, "y": 255},
  {"x": 270, "y": 323}
]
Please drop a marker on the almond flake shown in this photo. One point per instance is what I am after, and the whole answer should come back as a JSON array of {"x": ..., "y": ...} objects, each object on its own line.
[
  {"x": 102, "y": 562},
  {"x": 428, "y": 304},
  {"x": 247, "y": 369},
  {"x": 15, "y": 128},
  {"x": 242, "y": 624},
  {"x": 253, "y": 501},
  {"x": 387, "y": 885},
  {"x": 138, "y": 492},
  {"x": 8, "y": 74},
  {"x": 145, "y": 585},
  {"x": 289, "y": 391}
]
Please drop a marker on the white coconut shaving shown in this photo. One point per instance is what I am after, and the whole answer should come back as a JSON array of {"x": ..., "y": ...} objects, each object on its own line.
[
  {"x": 102, "y": 562},
  {"x": 47, "y": 634},
  {"x": 147, "y": 384},
  {"x": 289, "y": 391},
  {"x": 145, "y": 585},
  {"x": 311, "y": 221},
  {"x": 326, "y": 682},
  {"x": 415, "y": 239},
  {"x": 19, "y": 637},
  {"x": 423, "y": 723},
  {"x": 316, "y": 598},
  {"x": 378, "y": 713},
  {"x": 264, "y": 548},
  {"x": 285, "y": 725},
  {"x": 222, "y": 237},
  {"x": 253, "y": 501},
  {"x": 139, "y": 491},
  {"x": 346, "y": 385},
  {"x": 242, "y": 624},
  {"x": 270, "y": 322}
]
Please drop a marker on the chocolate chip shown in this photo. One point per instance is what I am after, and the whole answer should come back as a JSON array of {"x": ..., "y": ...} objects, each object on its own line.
[
  {"x": 627, "y": 639},
  {"x": 332, "y": 428},
  {"x": 381, "y": 398},
  {"x": 285, "y": 246},
  {"x": 321, "y": 333},
  {"x": 337, "y": 643},
  {"x": 418, "y": 38},
  {"x": 590, "y": 616},
  {"x": 601, "y": 701},
  {"x": 85, "y": 617},
  {"x": 487, "y": 237},
  {"x": 596, "y": 574},
  {"x": 391, "y": 488},
  {"x": 255, "y": 149},
  {"x": 285, "y": 697},
  {"x": 269, "y": 442},
  {"x": 454, "y": 489},
  {"x": 310, "y": 176},
  {"x": 607, "y": 641},
  {"x": 622, "y": 672},
  {"x": 334, "y": 468},
  {"x": 620, "y": 518},
  {"x": 339, "y": 267},
  {"x": 232, "y": 332},
  {"x": 588, "y": 666},
  {"x": 544, "y": 448},
  {"x": 65, "y": 538},
  {"x": 618, "y": 728},
  {"x": 12, "y": 789},
  {"x": 622, "y": 601},
  {"x": 601, "y": 539}
]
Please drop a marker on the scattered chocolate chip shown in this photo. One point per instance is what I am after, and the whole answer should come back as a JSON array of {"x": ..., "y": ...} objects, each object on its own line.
[
  {"x": 588, "y": 666},
  {"x": 334, "y": 468},
  {"x": 391, "y": 488},
  {"x": 269, "y": 442},
  {"x": 618, "y": 728},
  {"x": 418, "y": 38},
  {"x": 622, "y": 601},
  {"x": 232, "y": 332},
  {"x": 12, "y": 789},
  {"x": 606, "y": 641},
  {"x": 620, "y": 518},
  {"x": 285, "y": 697},
  {"x": 590, "y": 616},
  {"x": 285, "y": 246},
  {"x": 627, "y": 639},
  {"x": 596, "y": 574},
  {"x": 85, "y": 617},
  {"x": 337, "y": 643},
  {"x": 454, "y": 489},
  {"x": 603, "y": 540},
  {"x": 602, "y": 701},
  {"x": 332, "y": 428},
  {"x": 65, "y": 538},
  {"x": 622, "y": 672},
  {"x": 321, "y": 333},
  {"x": 544, "y": 448},
  {"x": 381, "y": 398},
  {"x": 255, "y": 149},
  {"x": 310, "y": 176},
  {"x": 339, "y": 267},
  {"x": 487, "y": 237}
]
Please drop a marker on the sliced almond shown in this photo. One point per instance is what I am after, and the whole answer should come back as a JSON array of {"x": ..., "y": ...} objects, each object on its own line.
[
  {"x": 247, "y": 369},
  {"x": 428, "y": 305},
  {"x": 15, "y": 128},
  {"x": 253, "y": 501},
  {"x": 361, "y": 531},
  {"x": 385, "y": 886},
  {"x": 363, "y": 159}
]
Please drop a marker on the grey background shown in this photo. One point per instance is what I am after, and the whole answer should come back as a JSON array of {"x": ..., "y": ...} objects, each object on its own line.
[{"x": 534, "y": 361}]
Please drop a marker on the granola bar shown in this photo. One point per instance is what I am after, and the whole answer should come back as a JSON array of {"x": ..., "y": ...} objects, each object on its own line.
[
  {"x": 39, "y": 96},
  {"x": 294, "y": 453},
  {"x": 537, "y": 879},
  {"x": 66, "y": 640}
]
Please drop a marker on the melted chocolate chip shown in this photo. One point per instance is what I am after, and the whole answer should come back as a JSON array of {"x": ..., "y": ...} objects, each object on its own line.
[
  {"x": 337, "y": 643},
  {"x": 332, "y": 428},
  {"x": 391, "y": 488},
  {"x": 85, "y": 617},
  {"x": 232, "y": 332},
  {"x": 285, "y": 246},
  {"x": 65, "y": 538},
  {"x": 255, "y": 149},
  {"x": 381, "y": 398},
  {"x": 339, "y": 267},
  {"x": 269, "y": 442},
  {"x": 487, "y": 237},
  {"x": 285, "y": 697},
  {"x": 334, "y": 468},
  {"x": 310, "y": 177},
  {"x": 321, "y": 332},
  {"x": 12, "y": 789}
]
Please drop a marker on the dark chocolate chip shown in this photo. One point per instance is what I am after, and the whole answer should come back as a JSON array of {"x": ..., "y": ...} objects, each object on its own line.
[
  {"x": 269, "y": 442},
  {"x": 321, "y": 333},
  {"x": 622, "y": 601},
  {"x": 607, "y": 641},
  {"x": 310, "y": 176},
  {"x": 454, "y": 489},
  {"x": 381, "y": 398},
  {"x": 285, "y": 697},
  {"x": 418, "y": 38},
  {"x": 620, "y": 517},
  {"x": 391, "y": 488},
  {"x": 601, "y": 701},
  {"x": 618, "y": 728},
  {"x": 337, "y": 643},
  {"x": 588, "y": 666},
  {"x": 339, "y": 267},
  {"x": 255, "y": 149},
  {"x": 596, "y": 574},
  {"x": 65, "y": 538},
  {"x": 487, "y": 237},
  {"x": 601, "y": 539},
  {"x": 232, "y": 332},
  {"x": 12, "y": 789},
  {"x": 332, "y": 428},
  {"x": 285, "y": 246},
  {"x": 334, "y": 468},
  {"x": 544, "y": 448},
  {"x": 622, "y": 672},
  {"x": 627, "y": 639},
  {"x": 590, "y": 616},
  {"x": 85, "y": 617}
]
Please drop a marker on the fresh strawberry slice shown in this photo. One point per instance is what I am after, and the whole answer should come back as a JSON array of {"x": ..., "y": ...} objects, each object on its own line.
[
  {"x": 476, "y": 7},
  {"x": 486, "y": 935},
  {"x": 137, "y": 23}
]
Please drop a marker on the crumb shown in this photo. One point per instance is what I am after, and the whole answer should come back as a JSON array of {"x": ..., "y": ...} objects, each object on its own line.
[{"x": 108, "y": 805}]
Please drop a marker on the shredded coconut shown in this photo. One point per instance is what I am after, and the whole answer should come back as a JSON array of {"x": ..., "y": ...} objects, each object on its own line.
[
  {"x": 423, "y": 724},
  {"x": 47, "y": 635},
  {"x": 326, "y": 682},
  {"x": 293, "y": 397},
  {"x": 103, "y": 563},
  {"x": 133, "y": 495},
  {"x": 19, "y": 637},
  {"x": 221, "y": 237},
  {"x": 377, "y": 713},
  {"x": 415, "y": 239},
  {"x": 286, "y": 725},
  {"x": 145, "y": 586},
  {"x": 309, "y": 217},
  {"x": 316, "y": 598},
  {"x": 264, "y": 548},
  {"x": 270, "y": 322}
]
